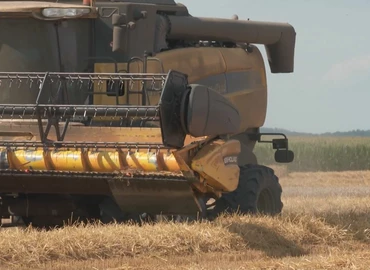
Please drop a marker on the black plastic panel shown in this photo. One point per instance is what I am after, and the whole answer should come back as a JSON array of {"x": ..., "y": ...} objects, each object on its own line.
[{"x": 173, "y": 135}]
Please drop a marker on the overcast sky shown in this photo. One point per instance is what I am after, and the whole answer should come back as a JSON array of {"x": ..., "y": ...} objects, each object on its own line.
[{"x": 330, "y": 87}]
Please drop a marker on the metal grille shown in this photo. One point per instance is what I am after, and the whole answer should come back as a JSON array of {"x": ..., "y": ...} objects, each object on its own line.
[{"x": 62, "y": 97}]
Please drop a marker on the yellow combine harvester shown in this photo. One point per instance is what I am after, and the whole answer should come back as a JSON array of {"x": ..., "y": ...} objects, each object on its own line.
[{"x": 116, "y": 109}]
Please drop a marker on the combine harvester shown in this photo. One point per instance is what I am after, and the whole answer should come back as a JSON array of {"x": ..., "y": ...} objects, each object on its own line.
[{"x": 114, "y": 110}]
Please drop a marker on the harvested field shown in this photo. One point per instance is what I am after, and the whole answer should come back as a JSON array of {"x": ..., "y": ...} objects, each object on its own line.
[{"x": 325, "y": 225}]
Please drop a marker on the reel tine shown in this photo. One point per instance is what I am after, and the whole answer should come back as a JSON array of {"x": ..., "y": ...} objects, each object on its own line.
[
  {"x": 19, "y": 81},
  {"x": 10, "y": 81},
  {"x": 81, "y": 82}
]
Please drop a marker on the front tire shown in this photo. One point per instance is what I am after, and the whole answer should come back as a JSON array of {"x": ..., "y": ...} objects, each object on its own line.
[{"x": 258, "y": 191}]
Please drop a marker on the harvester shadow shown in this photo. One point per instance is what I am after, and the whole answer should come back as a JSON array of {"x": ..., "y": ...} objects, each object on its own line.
[{"x": 266, "y": 240}]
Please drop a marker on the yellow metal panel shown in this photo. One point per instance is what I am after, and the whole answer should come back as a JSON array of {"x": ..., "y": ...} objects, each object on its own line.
[
  {"x": 217, "y": 163},
  {"x": 197, "y": 63},
  {"x": 134, "y": 67},
  {"x": 104, "y": 99},
  {"x": 237, "y": 59},
  {"x": 252, "y": 106},
  {"x": 95, "y": 134}
]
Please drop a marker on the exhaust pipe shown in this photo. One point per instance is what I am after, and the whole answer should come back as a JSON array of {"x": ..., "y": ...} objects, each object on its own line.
[{"x": 278, "y": 38}]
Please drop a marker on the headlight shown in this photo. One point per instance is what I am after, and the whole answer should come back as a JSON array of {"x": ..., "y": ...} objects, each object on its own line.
[{"x": 64, "y": 12}]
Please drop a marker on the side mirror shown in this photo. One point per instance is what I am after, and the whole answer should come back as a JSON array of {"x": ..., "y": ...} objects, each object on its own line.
[
  {"x": 284, "y": 156},
  {"x": 280, "y": 143}
]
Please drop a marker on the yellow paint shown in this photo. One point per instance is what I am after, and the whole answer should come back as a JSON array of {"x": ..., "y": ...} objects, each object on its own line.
[
  {"x": 27, "y": 159},
  {"x": 212, "y": 163},
  {"x": 170, "y": 162},
  {"x": 104, "y": 161},
  {"x": 97, "y": 161},
  {"x": 146, "y": 161},
  {"x": 67, "y": 160},
  {"x": 216, "y": 175},
  {"x": 102, "y": 87},
  {"x": 198, "y": 64}
]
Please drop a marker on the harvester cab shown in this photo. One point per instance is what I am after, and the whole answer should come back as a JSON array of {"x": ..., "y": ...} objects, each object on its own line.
[{"x": 113, "y": 109}]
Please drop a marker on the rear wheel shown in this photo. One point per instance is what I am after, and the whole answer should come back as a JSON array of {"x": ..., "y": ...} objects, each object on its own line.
[{"x": 258, "y": 191}]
